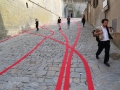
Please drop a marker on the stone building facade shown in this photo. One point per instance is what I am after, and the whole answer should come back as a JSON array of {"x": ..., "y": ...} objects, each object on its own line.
[
  {"x": 18, "y": 15},
  {"x": 98, "y": 9},
  {"x": 73, "y": 8}
]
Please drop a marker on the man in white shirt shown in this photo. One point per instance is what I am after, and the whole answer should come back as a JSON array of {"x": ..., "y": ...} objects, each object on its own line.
[{"x": 105, "y": 42}]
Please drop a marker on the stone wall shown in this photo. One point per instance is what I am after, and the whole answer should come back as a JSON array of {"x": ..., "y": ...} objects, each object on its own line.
[
  {"x": 96, "y": 14},
  {"x": 18, "y": 15},
  {"x": 76, "y": 6}
]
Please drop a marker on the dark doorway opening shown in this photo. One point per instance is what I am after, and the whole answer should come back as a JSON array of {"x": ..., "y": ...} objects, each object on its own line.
[{"x": 70, "y": 13}]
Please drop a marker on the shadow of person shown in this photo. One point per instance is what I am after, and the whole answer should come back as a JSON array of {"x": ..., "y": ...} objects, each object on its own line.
[{"x": 25, "y": 28}]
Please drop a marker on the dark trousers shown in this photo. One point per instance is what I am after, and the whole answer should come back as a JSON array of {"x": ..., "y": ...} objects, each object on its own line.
[
  {"x": 37, "y": 28},
  {"x": 102, "y": 45},
  {"x": 83, "y": 24}
]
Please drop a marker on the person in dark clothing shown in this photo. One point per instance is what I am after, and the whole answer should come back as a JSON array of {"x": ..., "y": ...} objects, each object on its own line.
[
  {"x": 59, "y": 22},
  {"x": 83, "y": 20},
  {"x": 71, "y": 15},
  {"x": 105, "y": 42},
  {"x": 68, "y": 21},
  {"x": 37, "y": 24}
]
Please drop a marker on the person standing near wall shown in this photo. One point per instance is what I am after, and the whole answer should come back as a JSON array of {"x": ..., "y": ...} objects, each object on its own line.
[
  {"x": 83, "y": 20},
  {"x": 59, "y": 21},
  {"x": 105, "y": 42},
  {"x": 68, "y": 22},
  {"x": 37, "y": 24}
]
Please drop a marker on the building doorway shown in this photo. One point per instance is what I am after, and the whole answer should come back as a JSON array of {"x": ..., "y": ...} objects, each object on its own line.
[{"x": 70, "y": 13}]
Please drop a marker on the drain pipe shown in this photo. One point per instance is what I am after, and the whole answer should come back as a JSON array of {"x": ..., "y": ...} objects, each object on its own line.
[{"x": 105, "y": 13}]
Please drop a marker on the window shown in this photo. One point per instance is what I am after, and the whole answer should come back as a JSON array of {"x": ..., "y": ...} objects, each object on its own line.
[{"x": 95, "y": 3}]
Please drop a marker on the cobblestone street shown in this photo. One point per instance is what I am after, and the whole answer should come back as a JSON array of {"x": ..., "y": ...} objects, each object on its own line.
[{"x": 53, "y": 59}]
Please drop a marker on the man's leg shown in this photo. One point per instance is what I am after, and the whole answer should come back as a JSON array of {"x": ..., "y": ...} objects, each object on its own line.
[
  {"x": 59, "y": 26},
  {"x": 83, "y": 24},
  {"x": 100, "y": 48},
  {"x": 107, "y": 49},
  {"x": 37, "y": 28}
]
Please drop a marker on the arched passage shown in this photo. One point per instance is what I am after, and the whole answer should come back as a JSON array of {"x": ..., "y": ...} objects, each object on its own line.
[{"x": 69, "y": 10}]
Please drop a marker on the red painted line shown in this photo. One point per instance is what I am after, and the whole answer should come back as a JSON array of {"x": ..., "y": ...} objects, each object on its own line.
[
  {"x": 9, "y": 38},
  {"x": 52, "y": 33},
  {"x": 22, "y": 58},
  {"x": 49, "y": 30},
  {"x": 17, "y": 35},
  {"x": 67, "y": 77},
  {"x": 26, "y": 55},
  {"x": 87, "y": 68},
  {"x": 88, "y": 73},
  {"x": 64, "y": 61}
]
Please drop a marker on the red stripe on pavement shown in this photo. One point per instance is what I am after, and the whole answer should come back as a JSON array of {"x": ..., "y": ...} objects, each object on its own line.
[
  {"x": 21, "y": 59},
  {"x": 17, "y": 35},
  {"x": 67, "y": 77},
  {"x": 88, "y": 73},
  {"x": 52, "y": 33},
  {"x": 26, "y": 55},
  {"x": 87, "y": 68},
  {"x": 61, "y": 75}
]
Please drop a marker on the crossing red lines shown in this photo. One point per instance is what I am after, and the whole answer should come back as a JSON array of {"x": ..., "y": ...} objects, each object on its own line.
[{"x": 67, "y": 58}]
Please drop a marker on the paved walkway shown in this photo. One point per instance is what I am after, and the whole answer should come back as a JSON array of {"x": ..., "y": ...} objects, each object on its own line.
[{"x": 53, "y": 59}]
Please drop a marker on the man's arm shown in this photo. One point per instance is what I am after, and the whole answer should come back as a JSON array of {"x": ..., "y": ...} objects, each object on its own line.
[
  {"x": 110, "y": 29},
  {"x": 98, "y": 33}
]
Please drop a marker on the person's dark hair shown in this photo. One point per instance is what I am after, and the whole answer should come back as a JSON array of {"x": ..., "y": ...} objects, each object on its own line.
[
  {"x": 84, "y": 16},
  {"x": 103, "y": 20}
]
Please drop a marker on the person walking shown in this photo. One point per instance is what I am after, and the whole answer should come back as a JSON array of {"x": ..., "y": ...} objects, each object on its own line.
[
  {"x": 37, "y": 24},
  {"x": 68, "y": 22},
  {"x": 59, "y": 22},
  {"x": 105, "y": 42},
  {"x": 83, "y": 20}
]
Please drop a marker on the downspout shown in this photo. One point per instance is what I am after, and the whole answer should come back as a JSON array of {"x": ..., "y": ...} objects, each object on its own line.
[{"x": 105, "y": 13}]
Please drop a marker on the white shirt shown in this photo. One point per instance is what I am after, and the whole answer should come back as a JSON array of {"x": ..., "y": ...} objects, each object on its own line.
[{"x": 105, "y": 34}]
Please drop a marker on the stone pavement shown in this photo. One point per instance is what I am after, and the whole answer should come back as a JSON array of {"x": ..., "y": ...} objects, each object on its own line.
[{"x": 40, "y": 69}]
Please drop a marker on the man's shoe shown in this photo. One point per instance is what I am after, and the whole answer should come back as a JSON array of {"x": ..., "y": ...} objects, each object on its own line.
[
  {"x": 97, "y": 57},
  {"x": 108, "y": 65}
]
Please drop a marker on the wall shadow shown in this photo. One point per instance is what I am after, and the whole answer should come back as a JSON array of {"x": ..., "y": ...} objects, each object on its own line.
[{"x": 3, "y": 31}]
